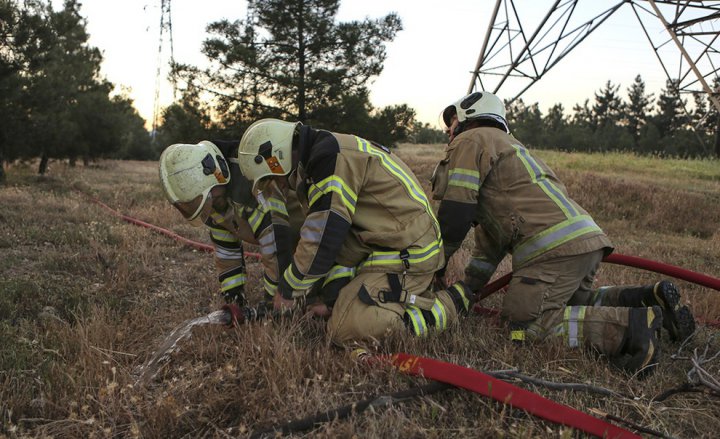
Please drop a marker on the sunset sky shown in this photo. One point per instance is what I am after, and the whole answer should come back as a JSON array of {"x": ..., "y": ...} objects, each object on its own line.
[{"x": 428, "y": 64}]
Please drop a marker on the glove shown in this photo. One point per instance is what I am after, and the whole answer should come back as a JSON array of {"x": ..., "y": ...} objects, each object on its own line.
[
  {"x": 235, "y": 296},
  {"x": 237, "y": 316}
]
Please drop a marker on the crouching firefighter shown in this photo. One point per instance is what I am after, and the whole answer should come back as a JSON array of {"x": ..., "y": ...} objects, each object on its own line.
[
  {"x": 366, "y": 210},
  {"x": 517, "y": 205},
  {"x": 206, "y": 186}
]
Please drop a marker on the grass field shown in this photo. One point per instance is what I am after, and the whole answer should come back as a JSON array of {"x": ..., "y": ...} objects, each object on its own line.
[{"x": 86, "y": 298}]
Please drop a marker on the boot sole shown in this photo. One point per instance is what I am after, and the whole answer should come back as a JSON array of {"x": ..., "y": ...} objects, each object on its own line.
[{"x": 668, "y": 297}]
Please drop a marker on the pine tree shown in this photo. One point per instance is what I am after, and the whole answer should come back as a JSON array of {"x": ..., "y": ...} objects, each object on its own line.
[
  {"x": 712, "y": 121},
  {"x": 22, "y": 32},
  {"x": 638, "y": 107},
  {"x": 700, "y": 114},
  {"x": 669, "y": 117},
  {"x": 53, "y": 101},
  {"x": 583, "y": 116},
  {"x": 291, "y": 59},
  {"x": 555, "y": 120},
  {"x": 555, "y": 124},
  {"x": 526, "y": 122},
  {"x": 607, "y": 107}
]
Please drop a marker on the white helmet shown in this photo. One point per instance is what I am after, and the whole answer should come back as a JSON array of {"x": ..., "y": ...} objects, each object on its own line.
[
  {"x": 189, "y": 172},
  {"x": 266, "y": 149},
  {"x": 478, "y": 105}
]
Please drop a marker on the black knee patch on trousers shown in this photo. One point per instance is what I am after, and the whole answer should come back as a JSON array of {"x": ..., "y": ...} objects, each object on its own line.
[{"x": 459, "y": 299}]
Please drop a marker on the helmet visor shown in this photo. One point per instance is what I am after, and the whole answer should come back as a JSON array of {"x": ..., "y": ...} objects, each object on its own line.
[
  {"x": 446, "y": 116},
  {"x": 196, "y": 210}
]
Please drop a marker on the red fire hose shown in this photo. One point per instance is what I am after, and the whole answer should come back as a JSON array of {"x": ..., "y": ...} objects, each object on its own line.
[
  {"x": 504, "y": 392},
  {"x": 479, "y": 382},
  {"x": 194, "y": 244},
  {"x": 667, "y": 269},
  {"x": 629, "y": 261},
  {"x": 490, "y": 288}
]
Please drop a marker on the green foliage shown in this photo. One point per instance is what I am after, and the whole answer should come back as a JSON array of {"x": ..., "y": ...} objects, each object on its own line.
[
  {"x": 182, "y": 123},
  {"x": 53, "y": 103},
  {"x": 526, "y": 121},
  {"x": 608, "y": 106},
  {"x": 612, "y": 124},
  {"x": 424, "y": 133},
  {"x": 637, "y": 108},
  {"x": 293, "y": 60},
  {"x": 669, "y": 117},
  {"x": 391, "y": 124}
]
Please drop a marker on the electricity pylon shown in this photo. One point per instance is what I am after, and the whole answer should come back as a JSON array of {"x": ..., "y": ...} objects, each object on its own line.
[
  {"x": 513, "y": 52},
  {"x": 165, "y": 29}
]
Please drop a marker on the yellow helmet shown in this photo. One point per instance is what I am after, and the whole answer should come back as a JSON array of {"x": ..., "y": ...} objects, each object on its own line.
[
  {"x": 189, "y": 172},
  {"x": 266, "y": 149}
]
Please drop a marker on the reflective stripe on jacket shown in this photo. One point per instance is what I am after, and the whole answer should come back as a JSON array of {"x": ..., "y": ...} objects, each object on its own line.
[
  {"x": 366, "y": 209},
  {"x": 514, "y": 198},
  {"x": 268, "y": 224}
]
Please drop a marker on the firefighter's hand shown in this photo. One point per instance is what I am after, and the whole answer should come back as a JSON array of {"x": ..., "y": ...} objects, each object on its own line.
[
  {"x": 319, "y": 309},
  {"x": 281, "y": 304}
]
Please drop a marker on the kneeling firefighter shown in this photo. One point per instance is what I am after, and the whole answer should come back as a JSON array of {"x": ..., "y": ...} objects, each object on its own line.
[
  {"x": 204, "y": 183},
  {"x": 366, "y": 211},
  {"x": 517, "y": 205}
]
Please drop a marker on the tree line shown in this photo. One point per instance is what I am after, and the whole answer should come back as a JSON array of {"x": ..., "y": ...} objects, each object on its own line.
[
  {"x": 290, "y": 59},
  {"x": 53, "y": 101},
  {"x": 641, "y": 123}
]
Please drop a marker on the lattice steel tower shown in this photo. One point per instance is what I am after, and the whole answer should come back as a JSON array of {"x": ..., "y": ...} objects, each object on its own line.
[
  {"x": 515, "y": 57},
  {"x": 165, "y": 32}
]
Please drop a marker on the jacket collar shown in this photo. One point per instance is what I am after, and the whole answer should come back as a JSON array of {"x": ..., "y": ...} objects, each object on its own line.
[{"x": 306, "y": 139}]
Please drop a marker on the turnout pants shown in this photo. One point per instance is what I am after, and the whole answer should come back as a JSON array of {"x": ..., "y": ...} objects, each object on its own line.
[
  {"x": 555, "y": 297},
  {"x": 366, "y": 310}
]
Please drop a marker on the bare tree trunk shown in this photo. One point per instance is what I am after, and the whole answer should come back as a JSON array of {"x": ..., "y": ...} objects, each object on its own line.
[
  {"x": 2, "y": 169},
  {"x": 302, "y": 115},
  {"x": 86, "y": 160},
  {"x": 72, "y": 161},
  {"x": 42, "y": 169}
]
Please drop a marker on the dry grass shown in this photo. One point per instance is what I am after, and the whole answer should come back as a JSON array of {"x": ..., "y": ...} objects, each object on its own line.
[{"x": 86, "y": 298}]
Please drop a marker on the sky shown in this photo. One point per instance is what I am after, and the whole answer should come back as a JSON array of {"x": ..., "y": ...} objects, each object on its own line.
[{"x": 428, "y": 64}]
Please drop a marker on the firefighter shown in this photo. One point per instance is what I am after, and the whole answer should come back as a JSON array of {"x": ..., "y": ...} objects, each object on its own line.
[
  {"x": 202, "y": 182},
  {"x": 517, "y": 205},
  {"x": 368, "y": 212}
]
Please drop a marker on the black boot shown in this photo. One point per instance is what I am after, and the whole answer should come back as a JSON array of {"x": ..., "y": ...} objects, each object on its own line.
[
  {"x": 640, "y": 347},
  {"x": 677, "y": 320}
]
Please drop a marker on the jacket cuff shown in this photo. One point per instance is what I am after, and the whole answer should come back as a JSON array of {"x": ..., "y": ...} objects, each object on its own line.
[{"x": 285, "y": 290}]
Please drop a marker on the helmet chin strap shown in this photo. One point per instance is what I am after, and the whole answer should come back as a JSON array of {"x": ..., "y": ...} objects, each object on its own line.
[{"x": 458, "y": 129}]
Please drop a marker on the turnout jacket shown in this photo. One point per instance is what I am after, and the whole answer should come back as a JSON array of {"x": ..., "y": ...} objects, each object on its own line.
[
  {"x": 518, "y": 205},
  {"x": 366, "y": 209},
  {"x": 246, "y": 220}
]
